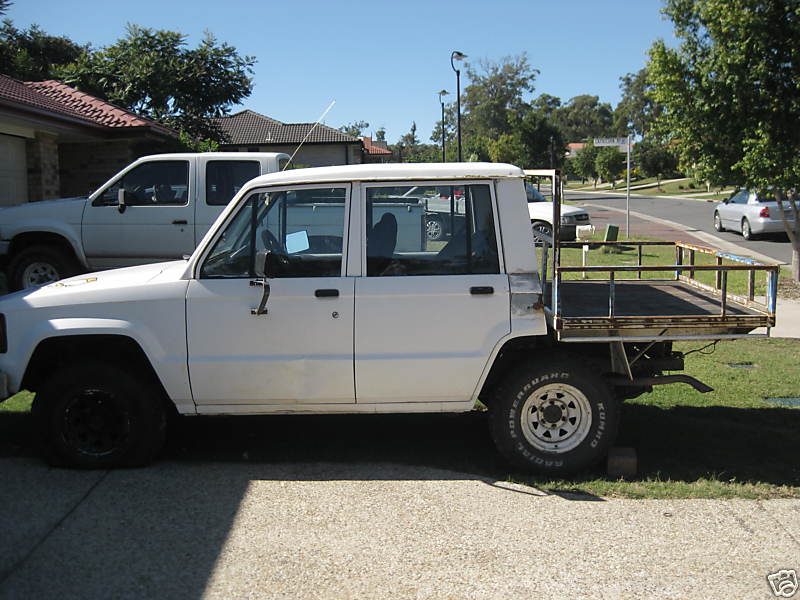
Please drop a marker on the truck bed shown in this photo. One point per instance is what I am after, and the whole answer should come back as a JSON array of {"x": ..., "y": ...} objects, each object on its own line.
[
  {"x": 669, "y": 303},
  {"x": 665, "y": 308}
]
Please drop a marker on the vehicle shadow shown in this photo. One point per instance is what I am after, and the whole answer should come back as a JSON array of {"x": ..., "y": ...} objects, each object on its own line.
[{"x": 162, "y": 530}]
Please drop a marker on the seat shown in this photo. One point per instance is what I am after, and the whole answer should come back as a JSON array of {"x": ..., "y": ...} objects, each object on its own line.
[{"x": 381, "y": 243}]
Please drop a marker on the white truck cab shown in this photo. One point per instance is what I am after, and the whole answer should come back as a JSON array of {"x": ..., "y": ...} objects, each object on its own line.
[
  {"x": 157, "y": 208},
  {"x": 318, "y": 291}
]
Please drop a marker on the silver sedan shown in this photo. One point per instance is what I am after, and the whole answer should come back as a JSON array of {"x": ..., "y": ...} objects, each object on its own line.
[{"x": 751, "y": 214}]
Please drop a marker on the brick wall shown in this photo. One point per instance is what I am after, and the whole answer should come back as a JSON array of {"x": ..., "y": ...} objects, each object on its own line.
[{"x": 42, "y": 159}]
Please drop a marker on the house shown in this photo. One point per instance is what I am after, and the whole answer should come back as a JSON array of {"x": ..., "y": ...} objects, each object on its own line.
[
  {"x": 573, "y": 148},
  {"x": 376, "y": 151},
  {"x": 56, "y": 141},
  {"x": 249, "y": 131}
]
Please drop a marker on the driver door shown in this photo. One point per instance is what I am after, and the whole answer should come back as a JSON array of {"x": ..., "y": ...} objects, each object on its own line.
[{"x": 301, "y": 350}]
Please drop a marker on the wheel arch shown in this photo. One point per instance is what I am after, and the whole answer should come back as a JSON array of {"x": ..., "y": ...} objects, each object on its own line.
[
  {"x": 62, "y": 351},
  {"x": 26, "y": 239}
]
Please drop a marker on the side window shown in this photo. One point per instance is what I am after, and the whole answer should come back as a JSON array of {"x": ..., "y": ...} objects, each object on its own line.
[
  {"x": 163, "y": 183},
  {"x": 396, "y": 240},
  {"x": 303, "y": 228},
  {"x": 740, "y": 197},
  {"x": 224, "y": 178}
]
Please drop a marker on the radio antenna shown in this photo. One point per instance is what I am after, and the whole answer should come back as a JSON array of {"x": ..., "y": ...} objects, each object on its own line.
[{"x": 310, "y": 131}]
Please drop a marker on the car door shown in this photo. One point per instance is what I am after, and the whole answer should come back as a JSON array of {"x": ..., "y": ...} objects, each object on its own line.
[
  {"x": 157, "y": 220},
  {"x": 427, "y": 319},
  {"x": 300, "y": 351},
  {"x": 731, "y": 213}
]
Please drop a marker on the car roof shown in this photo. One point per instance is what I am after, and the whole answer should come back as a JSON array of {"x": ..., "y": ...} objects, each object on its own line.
[{"x": 389, "y": 172}]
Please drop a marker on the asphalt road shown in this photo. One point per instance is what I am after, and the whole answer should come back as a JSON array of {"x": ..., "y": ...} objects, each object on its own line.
[{"x": 694, "y": 215}]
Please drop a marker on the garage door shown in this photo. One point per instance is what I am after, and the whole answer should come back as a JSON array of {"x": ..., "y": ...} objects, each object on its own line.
[{"x": 13, "y": 174}]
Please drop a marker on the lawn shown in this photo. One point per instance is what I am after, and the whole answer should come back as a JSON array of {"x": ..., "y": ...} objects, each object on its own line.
[
  {"x": 627, "y": 255},
  {"x": 724, "y": 444}
]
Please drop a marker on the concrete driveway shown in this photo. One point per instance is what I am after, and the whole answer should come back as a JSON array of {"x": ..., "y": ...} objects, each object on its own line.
[{"x": 322, "y": 517}]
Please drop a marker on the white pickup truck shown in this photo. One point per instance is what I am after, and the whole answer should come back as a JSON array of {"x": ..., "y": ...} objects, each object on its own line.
[
  {"x": 155, "y": 209},
  {"x": 304, "y": 298}
]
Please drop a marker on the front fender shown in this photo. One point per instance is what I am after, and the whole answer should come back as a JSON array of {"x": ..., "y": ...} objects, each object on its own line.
[
  {"x": 169, "y": 363},
  {"x": 66, "y": 231}
]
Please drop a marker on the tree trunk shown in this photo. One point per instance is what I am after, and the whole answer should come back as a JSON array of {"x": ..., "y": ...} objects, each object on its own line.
[{"x": 792, "y": 231}]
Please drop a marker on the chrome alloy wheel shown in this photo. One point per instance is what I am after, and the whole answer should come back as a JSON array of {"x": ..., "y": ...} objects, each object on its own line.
[
  {"x": 556, "y": 418},
  {"x": 38, "y": 273}
]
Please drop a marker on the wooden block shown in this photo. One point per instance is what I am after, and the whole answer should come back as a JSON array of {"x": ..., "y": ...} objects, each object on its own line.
[{"x": 622, "y": 462}]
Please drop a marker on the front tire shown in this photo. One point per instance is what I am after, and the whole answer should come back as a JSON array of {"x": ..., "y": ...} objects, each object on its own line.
[
  {"x": 99, "y": 416},
  {"x": 553, "y": 419},
  {"x": 37, "y": 265},
  {"x": 718, "y": 223}
]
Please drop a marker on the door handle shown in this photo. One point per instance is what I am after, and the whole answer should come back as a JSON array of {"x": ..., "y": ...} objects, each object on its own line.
[
  {"x": 180, "y": 222},
  {"x": 327, "y": 293},
  {"x": 481, "y": 290}
]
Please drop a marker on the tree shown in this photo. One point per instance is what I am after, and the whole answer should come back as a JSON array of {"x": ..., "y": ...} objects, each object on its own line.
[
  {"x": 654, "y": 159},
  {"x": 496, "y": 90},
  {"x": 410, "y": 139},
  {"x": 31, "y": 54},
  {"x": 731, "y": 99},
  {"x": 637, "y": 110},
  {"x": 508, "y": 148},
  {"x": 380, "y": 134},
  {"x": 609, "y": 164},
  {"x": 355, "y": 128},
  {"x": 4, "y": 5},
  {"x": 153, "y": 73},
  {"x": 584, "y": 163},
  {"x": 583, "y": 117}
]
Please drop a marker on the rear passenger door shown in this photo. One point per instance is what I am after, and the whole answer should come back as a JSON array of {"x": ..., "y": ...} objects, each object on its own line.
[{"x": 428, "y": 313}]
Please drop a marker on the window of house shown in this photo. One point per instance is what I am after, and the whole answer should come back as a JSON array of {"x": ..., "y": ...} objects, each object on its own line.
[
  {"x": 396, "y": 240},
  {"x": 224, "y": 179},
  {"x": 303, "y": 228}
]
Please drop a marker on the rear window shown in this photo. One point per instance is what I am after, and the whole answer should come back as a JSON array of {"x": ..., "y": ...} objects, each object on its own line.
[{"x": 224, "y": 178}]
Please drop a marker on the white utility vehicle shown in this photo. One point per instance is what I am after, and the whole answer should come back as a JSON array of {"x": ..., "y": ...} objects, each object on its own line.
[
  {"x": 157, "y": 208},
  {"x": 305, "y": 297}
]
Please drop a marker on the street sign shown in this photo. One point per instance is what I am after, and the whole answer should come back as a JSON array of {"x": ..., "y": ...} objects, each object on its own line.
[{"x": 611, "y": 141}]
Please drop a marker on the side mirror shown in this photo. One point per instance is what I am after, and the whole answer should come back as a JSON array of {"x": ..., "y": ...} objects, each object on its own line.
[{"x": 121, "y": 203}]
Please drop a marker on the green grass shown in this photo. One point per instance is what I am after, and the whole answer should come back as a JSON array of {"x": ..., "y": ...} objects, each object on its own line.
[
  {"x": 651, "y": 255},
  {"x": 728, "y": 443}
]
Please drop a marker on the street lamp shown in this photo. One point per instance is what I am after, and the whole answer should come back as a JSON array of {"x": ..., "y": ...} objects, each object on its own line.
[
  {"x": 456, "y": 55},
  {"x": 443, "y": 93}
]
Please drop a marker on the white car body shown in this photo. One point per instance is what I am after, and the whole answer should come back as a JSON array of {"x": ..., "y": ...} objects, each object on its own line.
[
  {"x": 540, "y": 210},
  {"x": 750, "y": 214},
  {"x": 93, "y": 233},
  {"x": 203, "y": 329}
]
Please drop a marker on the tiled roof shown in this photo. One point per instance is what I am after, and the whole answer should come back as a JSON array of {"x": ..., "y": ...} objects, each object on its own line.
[
  {"x": 371, "y": 148},
  {"x": 62, "y": 100},
  {"x": 93, "y": 108},
  {"x": 249, "y": 127}
]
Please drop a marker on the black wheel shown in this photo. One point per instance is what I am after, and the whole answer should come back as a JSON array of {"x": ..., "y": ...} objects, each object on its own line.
[
  {"x": 542, "y": 227},
  {"x": 97, "y": 416},
  {"x": 718, "y": 222},
  {"x": 37, "y": 265},
  {"x": 554, "y": 418},
  {"x": 434, "y": 228},
  {"x": 746, "y": 231}
]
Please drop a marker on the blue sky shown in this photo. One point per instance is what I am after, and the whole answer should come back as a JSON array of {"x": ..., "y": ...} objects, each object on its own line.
[{"x": 383, "y": 62}]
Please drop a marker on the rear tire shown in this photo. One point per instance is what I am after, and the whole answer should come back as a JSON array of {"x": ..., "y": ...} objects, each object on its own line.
[
  {"x": 553, "y": 419},
  {"x": 99, "y": 416},
  {"x": 37, "y": 265},
  {"x": 747, "y": 233},
  {"x": 434, "y": 228}
]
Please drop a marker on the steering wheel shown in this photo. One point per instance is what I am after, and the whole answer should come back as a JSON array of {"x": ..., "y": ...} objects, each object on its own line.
[{"x": 271, "y": 243}]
